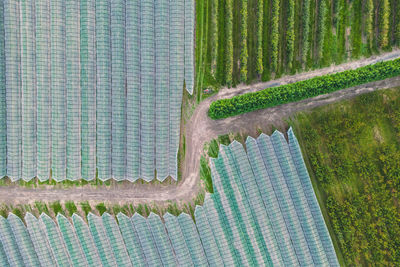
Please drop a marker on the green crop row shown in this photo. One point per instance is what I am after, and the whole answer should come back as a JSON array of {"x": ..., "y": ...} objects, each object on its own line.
[
  {"x": 246, "y": 41},
  {"x": 274, "y": 96}
]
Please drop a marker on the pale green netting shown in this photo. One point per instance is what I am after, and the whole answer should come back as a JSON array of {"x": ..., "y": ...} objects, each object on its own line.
[
  {"x": 250, "y": 195},
  {"x": 192, "y": 240},
  {"x": 88, "y": 88},
  {"x": 147, "y": 92},
  {"x": 103, "y": 93},
  {"x": 23, "y": 241},
  {"x": 131, "y": 240},
  {"x": 28, "y": 87},
  {"x": 39, "y": 241},
  {"x": 299, "y": 199},
  {"x": 118, "y": 89},
  {"x": 311, "y": 199},
  {"x": 58, "y": 92},
  {"x": 146, "y": 240},
  {"x": 176, "y": 78},
  {"x": 71, "y": 242},
  {"x": 182, "y": 252},
  {"x": 13, "y": 89},
  {"x": 208, "y": 238},
  {"x": 43, "y": 126},
  {"x": 55, "y": 240},
  {"x": 73, "y": 90},
  {"x": 270, "y": 201},
  {"x": 101, "y": 240},
  {"x": 3, "y": 118},
  {"x": 189, "y": 45},
  {"x": 3, "y": 256},
  {"x": 161, "y": 238},
  {"x": 252, "y": 205},
  {"x": 9, "y": 244},
  {"x": 229, "y": 208},
  {"x": 116, "y": 241},
  {"x": 86, "y": 240},
  {"x": 162, "y": 31},
  {"x": 223, "y": 234},
  {"x": 132, "y": 52},
  {"x": 284, "y": 200}
]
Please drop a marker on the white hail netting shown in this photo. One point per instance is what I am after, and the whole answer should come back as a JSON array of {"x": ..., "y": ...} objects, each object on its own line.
[
  {"x": 263, "y": 212},
  {"x": 93, "y": 88}
]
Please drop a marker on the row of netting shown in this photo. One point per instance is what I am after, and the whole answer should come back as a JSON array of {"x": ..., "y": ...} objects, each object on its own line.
[
  {"x": 93, "y": 88},
  {"x": 263, "y": 212}
]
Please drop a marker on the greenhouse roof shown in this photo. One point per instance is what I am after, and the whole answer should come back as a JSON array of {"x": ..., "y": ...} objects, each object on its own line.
[
  {"x": 93, "y": 88},
  {"x": 263, "y": 212}
]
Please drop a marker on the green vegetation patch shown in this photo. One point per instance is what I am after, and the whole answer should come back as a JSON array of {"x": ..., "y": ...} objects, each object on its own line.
[
  {"x": 101, "y": 208},
  {"x": 245, "y": 41},
  {"x": 211, "y": 150},
  {"x": 83, "y": 208},
  {"x": 70, "y": 207},
  {"x": 205, "y": 174},
  {"x": 57, "y": 208},
  {"x": 352, "y": 150},
  {"x": 274, "y": 96}
]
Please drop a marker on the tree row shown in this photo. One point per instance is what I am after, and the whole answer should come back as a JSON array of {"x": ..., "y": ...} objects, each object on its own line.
[{"x": 251, "y": 40}]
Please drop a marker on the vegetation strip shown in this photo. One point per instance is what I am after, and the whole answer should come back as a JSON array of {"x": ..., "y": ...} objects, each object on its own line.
[
  {"x": 274, "y": 96},
  {"x": 352, "y": 149},
  {"x": 260, "y": 40}
]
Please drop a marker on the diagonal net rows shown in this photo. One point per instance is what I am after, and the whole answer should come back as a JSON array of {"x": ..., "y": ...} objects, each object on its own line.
[
  {"x": 263, "y": 212},
  {"x": 93, "y": 88}
]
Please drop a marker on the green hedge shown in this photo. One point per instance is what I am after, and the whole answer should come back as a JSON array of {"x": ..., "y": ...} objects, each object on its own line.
[{"x": 274, "y": 96}]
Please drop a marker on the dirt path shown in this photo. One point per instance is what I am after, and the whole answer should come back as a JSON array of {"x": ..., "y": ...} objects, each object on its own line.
[{"x": 200, "y": 130}]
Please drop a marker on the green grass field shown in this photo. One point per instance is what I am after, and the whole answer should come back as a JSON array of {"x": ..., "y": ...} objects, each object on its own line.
[{"x": 352, "y": 150}]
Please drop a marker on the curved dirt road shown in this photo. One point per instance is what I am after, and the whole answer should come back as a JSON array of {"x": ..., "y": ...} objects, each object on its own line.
[{"x": 198, "y": 131}]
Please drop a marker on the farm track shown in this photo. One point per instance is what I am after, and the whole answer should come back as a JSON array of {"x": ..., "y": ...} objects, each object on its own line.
[{"x": 198, "y": 131}]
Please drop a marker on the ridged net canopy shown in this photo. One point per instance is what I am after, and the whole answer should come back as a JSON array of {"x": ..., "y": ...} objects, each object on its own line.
[
  {"x": 263, "y": 212},
  {"x": 93, "y": 88}
]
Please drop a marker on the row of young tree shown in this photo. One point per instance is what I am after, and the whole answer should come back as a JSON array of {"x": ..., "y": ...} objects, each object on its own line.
[{"x": 263, "y": 39}]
